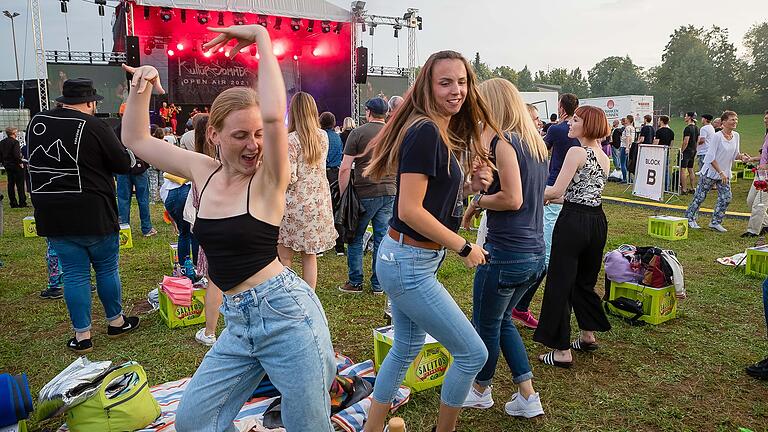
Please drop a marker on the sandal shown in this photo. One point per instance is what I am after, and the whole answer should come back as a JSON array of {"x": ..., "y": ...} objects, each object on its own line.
[
  {"x": 580, "y": 345},
  {"x": 549, "y": 359}
]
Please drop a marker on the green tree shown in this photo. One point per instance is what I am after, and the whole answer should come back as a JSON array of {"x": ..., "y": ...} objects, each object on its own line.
[
  {"x": 614, "y": 76},
  {"x": 756, "y": 75},
  {"x": 525, "y": 80},
  {"x": 482, "y": 70},
  {"x": 507, "y": 73}
]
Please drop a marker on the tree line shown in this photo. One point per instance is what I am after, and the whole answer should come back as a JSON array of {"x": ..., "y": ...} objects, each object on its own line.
[{"x": 699, "y": 71}]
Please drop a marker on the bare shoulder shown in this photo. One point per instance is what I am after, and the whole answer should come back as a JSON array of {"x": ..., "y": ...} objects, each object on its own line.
[{"x": 202, "y": 167}]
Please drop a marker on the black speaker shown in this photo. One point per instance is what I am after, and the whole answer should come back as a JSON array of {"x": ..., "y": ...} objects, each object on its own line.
[
  {"x": 361, "y": 65},
  {"x": 133, "y": 58}
]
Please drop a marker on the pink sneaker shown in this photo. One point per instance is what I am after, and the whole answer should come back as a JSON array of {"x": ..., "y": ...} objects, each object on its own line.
[{"x": 526, "y": 318}]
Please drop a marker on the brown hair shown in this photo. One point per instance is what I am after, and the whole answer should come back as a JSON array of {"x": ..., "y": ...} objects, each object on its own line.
[
  {"x": 462, "y": 134},
  {"x": 664, "y": 119},
  {"x": 202, "y": 143},
  {"x": 727, "y": 114},
  {"x": 303, "y": 119},
  {"x": 647, "y": 118},
  {"x": 630, "y": 119},
  {"x": 327, "y": 120},
  {"x": 569, "y": 102},
  {"x": 595, "y": 122},
  {"x": 10, "y": 130},
  {"x": 159, "y": 133}
]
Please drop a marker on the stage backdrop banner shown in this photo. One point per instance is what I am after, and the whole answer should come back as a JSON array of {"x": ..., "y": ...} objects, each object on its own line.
[
  {"x": 649, "y": 174},
  {"x": 196, "y": 81}
]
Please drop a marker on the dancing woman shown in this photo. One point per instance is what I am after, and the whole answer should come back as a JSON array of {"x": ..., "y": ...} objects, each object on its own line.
[
  {"x": 431, "y": 134},
  {"x": 577, "y": 244},
  {"x": 275, "y": 323}
]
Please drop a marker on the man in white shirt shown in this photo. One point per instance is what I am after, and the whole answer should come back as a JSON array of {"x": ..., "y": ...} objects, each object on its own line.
[
  {"x": 187, "y": 141},
  {"x": 706, "y": 133}
]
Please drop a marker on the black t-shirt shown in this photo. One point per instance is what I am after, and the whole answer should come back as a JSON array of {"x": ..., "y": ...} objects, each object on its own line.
[
  {"x": 10, "y": 153},
  {"x": 691, "y": 131},
  {"x": 646, "y": 132},
  {"x": 424, "y": 152},
  {"x": 616, "y": 137},
  {"x": 72, "y": 156},
  {"x": 665, "y": 136}
]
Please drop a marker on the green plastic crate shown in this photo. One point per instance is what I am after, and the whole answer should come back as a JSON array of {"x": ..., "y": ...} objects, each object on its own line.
[
  {"x": 426, "y": 371},
  {"x": 183, "y": 316},
  {"x": 757, "y": 262},
  {"x": 738, "y": 168},
  {"x": 749, "y": 174},
  {"x": 659, "y": 304},
  {"x": 735, "y": 176},
  {"x": 668, "y": 227}
]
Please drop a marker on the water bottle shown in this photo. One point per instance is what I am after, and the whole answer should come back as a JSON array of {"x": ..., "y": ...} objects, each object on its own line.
[
  {"x": 396, "y": 424},
  {"x": 189, "y": 269}
]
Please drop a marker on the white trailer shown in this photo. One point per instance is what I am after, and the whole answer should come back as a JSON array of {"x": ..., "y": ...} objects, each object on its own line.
[
  {"x": 545, "y": 102},
  {"x": 617, "y": 107}
]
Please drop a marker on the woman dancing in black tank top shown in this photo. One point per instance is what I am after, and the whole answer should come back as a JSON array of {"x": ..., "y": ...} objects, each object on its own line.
[{"x": 275, "y": 323}]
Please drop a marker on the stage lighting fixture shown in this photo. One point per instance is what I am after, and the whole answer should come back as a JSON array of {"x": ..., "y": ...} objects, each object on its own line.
[
  {"x": 146, "y": 12},
  {"x": 310, "y": 26},
  {"x": 295, "y": 57},
  {"x": 325, "y": 26},
  {"x": 363, "y": 24},
  {"x": 338, "y": 28},
  {"x": 151, "y": 43},
  {"x": 64, "y": 6},
  {"x": 203, "y": 17},
  {"x": 147, "y": 50},
  {"x": 295, "y": 24},
  {"x": 262, "y": 20},
  {"x": 358, "y": 6},
  {"x": 316, "y": 52},
  {"x": 278, "y": 23},
  {"x": 171, "y": 53},
  {"x": 221, "y": 50},
  {"x": 207, "y": 54},
  {"x": 220, "y": 21},
  {"x": 238, "y": 18},
  {"x": 183, "y": 15},
  {"x": 101, "y": 4},
  {"x": 166, "y": 14},
  {"x": 418, "y": 21},
  {"x": 397, "y": 27},
  {"x": 180, "y": 46},
  {"x": 372, "y": 29}
]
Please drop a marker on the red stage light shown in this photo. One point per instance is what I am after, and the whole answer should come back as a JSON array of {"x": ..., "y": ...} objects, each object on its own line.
[
  {"x": 207, "y": 54},
  {"x": 180, "y": 46},
  {"x": 278, "y": 50},
  {"x": 221, "y": 49},
  {"x": 171, "y": 53},
  {"x": 295, "y": 57},
  {"x": 317, "y": 52}
]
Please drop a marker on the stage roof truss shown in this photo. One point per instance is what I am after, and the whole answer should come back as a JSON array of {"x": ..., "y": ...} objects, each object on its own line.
[{"x": 308, "y": 9}]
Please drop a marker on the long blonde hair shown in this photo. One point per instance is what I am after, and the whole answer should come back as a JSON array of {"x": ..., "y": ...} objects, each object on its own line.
[
  {"x": 462, "y": 136},
  {"x": 511, "y": 114},
  {"x": 303, "y": 119}
]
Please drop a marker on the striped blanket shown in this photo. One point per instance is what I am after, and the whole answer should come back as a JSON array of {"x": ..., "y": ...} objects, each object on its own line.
[{"x": 169, "y": 395}]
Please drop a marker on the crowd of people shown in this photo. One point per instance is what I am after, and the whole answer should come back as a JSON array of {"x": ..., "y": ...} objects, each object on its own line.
[{"x": 247, "y": 193}]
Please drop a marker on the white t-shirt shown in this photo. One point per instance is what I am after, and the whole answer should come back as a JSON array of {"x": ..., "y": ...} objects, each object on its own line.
[
  {"x": 187, "y": 141},
  {"x": 171, "y": 139},
  {"x": 628, "y": 137},
  {"x": 707, "y": 132},
  {"x": 724, "y": 152}
]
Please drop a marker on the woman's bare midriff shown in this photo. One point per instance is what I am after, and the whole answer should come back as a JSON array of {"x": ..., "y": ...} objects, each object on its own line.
[{"x": 271, "y": 270}]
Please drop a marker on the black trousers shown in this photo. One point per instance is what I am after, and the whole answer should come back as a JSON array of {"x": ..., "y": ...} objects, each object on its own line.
[
  {"x": 578, "y": 240},
  {"x": 16, "y": 181},
  {"x": 332, "y": 174}
]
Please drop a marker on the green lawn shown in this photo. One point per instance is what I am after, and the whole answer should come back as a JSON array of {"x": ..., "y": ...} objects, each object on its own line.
[{"x": 685, "y": 375}]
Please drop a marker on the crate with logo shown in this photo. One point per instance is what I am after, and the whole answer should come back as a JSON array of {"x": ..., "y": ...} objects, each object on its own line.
[
  {"x": 757, "y": 262},
  {"x": 30, "y": 227},
  {"x": 659, "y": 304},
  {"x": 426, "y": 371},
  {"x": 126, "y": 240},
  {"x": 182, "y": 316},
  {"x": 749, "y": 174},
  {"x": 668, "y": 227}
]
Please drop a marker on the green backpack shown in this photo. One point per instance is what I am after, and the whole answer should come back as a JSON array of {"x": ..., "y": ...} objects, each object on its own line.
[{"x": 129, "y": 406}]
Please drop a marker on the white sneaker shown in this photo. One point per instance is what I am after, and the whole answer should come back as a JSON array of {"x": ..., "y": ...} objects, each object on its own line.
[
  {"x": 479, "y": 400},
  {"x": 717, "y": 227},
  {"x": 205, "y": 339},
  {"x": 693, "y": 224},
  {"x": 518, "y": 406}
]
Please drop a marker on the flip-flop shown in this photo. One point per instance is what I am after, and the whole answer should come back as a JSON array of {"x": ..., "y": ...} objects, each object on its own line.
[
  {"x": 580, "y": 345},
  {"x": 549, "y": 359}
]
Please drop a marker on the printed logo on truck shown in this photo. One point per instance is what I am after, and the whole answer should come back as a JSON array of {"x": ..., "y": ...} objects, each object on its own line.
[{"x": 611, "y": 104}]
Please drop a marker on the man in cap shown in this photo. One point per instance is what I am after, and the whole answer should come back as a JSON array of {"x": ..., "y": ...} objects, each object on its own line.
[
  {"x": 10, "y": 157},
  {"x": 72, "y": 155},
  {"x": 377, "y": 197}
]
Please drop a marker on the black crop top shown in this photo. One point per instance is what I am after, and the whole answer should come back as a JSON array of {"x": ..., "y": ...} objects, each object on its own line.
[{"x": 237, "y": 247}]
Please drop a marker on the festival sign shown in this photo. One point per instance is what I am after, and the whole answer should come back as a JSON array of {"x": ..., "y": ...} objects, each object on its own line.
[
  {"x": 197, "y": 81},
  {"x": 650, "y": 171}
]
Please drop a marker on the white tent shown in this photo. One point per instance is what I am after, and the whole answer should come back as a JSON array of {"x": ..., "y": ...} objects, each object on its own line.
[{"x": 311, "y": 9}]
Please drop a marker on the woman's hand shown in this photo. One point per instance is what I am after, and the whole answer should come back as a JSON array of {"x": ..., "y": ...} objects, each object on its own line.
[
  {"x": 244, "y": 35},
  {"x": 482, "y": 177},
  {"x": 472, "y": 211},
  {"x": 724, "y": 178},
  {"x": 476, "y": 257},
  {"x": 143, "y": 75}
]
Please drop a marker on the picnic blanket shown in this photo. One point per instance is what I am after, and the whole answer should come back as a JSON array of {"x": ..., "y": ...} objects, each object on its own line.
[{"x": 169, "y": 395}]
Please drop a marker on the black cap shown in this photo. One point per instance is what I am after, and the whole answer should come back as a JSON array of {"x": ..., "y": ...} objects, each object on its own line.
[
  {"x": 377, "y": 105},
  {"x": 77, "y": 91},
  {"x": 691, "y": 114}
]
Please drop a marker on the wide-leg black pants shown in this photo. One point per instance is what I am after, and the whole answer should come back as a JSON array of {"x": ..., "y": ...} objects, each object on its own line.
[{"x": 578, "y": 240}]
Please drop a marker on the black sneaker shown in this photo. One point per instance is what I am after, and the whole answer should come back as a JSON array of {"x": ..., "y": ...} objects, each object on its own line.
[
  {"x": 758, "y": 370},
  {"x": 130, "y": 324},
  {"x": 339, "y": 251},
  {"x": 81, "y": 347},
  {"x": 377, "y": 290},
  {"x": 52, "y": 293},
  {"x": 349, "y": 287}
]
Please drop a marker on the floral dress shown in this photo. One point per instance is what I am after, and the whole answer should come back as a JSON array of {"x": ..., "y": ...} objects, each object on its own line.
[{"x": 308, "y": 221}]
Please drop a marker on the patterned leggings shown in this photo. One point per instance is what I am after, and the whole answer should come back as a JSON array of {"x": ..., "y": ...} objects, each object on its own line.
[
  {"x": 723, "y": 198},
  {"x": 55, "y": 274}
]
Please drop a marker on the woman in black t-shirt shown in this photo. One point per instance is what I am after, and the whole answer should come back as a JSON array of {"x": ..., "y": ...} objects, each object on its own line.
[{"x": 428, "y": 143}]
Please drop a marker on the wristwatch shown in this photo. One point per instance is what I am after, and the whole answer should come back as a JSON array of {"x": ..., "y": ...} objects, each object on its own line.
[{"x": 466, "y": 250}]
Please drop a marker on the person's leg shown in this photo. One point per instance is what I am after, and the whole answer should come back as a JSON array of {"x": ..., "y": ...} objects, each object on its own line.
[
  {"x": 724, "y": 197},
  {"x": 587, "y": 305},
  {"x": 12, "y": 174},
  {"x": 309, "y": 269},
  {"x": 616, "y": 155},
  {"x": 698, "y": 197},
  {"x": 20, "y": 182},
  {"x": 174, "y": 203},
  {"x": 755, "y": 203},
  {"x": 355, "y": 250},
  {"x": 105, "y": 254},
  {"x": 624, "y": 174},
  {"x": 124, "y": 186},
  {"x": 75, "y": 261},
  {"x": 551, "y": 214},
  {"x": 380, "y": 224},
  {"x": 691, "y": 178},
  {"x": 141, "y": 183}
]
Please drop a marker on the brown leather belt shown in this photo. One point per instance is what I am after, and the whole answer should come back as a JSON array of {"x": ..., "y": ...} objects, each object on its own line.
[{"x": 410, "y": 241}]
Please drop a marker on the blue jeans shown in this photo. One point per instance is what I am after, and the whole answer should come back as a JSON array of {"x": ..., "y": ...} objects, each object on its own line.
[
  {"x": 421, "y": 305},
  {"x": 378, "y": 210},
  {"x": 124, "y": 185},
  {"x": 616, "y": 155},
  {"x": 277, "y": 328},
  {"x": 623, "y": 155},
  {"x": 174, "y": 203},
  {"x": 724, "y": 197},
  {"x": 499, "y": 285},
  {"x": 76, "y": 255},
  {"x": 551, "y": 213}
]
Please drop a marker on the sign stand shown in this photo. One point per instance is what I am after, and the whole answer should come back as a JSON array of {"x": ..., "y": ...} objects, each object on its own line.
[{"x": 650, "y": 172}]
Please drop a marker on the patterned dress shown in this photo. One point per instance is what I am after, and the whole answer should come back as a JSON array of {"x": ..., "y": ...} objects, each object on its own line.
[{"x": 308, "y": 221}]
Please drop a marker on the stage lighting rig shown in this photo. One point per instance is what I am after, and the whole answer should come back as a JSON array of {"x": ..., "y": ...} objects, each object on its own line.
[
  {"x": 146, "y": 12},
  {"x": 278, "y": 23},
  {"x": 295, "y": 24},
  {"x": 64, "y": 6},
  {"x": 166, "y": 14},
  {"x": 419, "y": 23},
  {"x": 338, "y": 28},
  {"x": 358, "y": 7},
  {"x": 183, "y": 15},
  {"x": 239, "y": 19},
  {"x": 397, "y": 27},
  {"x": 325, "y": 26},
  {"x": 220, "y": 21},
  {"x": 202, "y": 17},
  {"x": 262, "y": 21},
  {"x": 101, "y": 4},
  {"x": 310, "y": 26},
  {"x": 372, "y": 28}
]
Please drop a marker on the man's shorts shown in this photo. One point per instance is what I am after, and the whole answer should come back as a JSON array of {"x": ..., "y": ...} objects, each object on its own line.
[{"x": 687, "y": 161}]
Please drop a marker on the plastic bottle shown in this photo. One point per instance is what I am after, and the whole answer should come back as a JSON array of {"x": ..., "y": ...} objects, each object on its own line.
[
  {"x": 396, "y": 424},
  {"x": 189, "y": 269}
]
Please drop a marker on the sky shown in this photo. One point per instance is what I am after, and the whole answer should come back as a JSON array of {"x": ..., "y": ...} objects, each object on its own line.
[{"x": 541, "y": 35}]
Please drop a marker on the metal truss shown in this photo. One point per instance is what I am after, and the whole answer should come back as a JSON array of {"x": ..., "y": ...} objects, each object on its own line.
[
  {"x": 41, "y": 69},
  {"x": 91, "y": 57}
]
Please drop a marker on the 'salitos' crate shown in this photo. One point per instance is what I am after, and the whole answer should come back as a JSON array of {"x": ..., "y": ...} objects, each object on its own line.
[
  {"x": 126, "y": 240},
  {"x": 738, "y": 168},
  {"x": 659, "y": 304},
  {"x": 426, "y": 371},
  {"x": 30, "y": 227},
  {"x": 182, "y": 316},
  {"x": 668, "y": 227},
  {"x": 757, "y": 261},
  {"x": 749, "y": 174}
]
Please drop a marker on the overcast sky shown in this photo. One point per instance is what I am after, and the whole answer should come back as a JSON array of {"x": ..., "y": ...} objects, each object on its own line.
[{"x": 540, "y": 34}]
